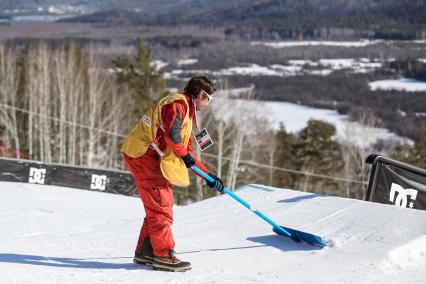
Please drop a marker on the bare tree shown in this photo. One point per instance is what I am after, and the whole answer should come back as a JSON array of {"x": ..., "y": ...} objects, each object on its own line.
[
  {"x": 68, "y": 80},
  {"x": 9, "y": 82},
  {"x": 238, "y": 123},
  {"x": 356, "y": 145},
  {"x": 97, "y": 80},
  {"x": 45, "y": 107},
  {"x": 75, "y": 110},
  {"x": 270, "y": 147},
  {"x": 37, "y": 95},
  {"x": 349, "y": 156}
]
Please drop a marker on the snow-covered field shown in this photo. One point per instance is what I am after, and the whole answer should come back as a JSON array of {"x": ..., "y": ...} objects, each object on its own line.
[
  {"x": 295, "y": 117},
  {"x": 403, "y": 84},
  {"x": 284, "y": 44},
  {"x": 301, "y": 43},
  {"x": 321, "y": 67},
  {"x": 41, "y": 18},
  {"x": 47, "y": 13},
  {"x": 58, "y": 235},
  {"x": 186, "y": 61}
]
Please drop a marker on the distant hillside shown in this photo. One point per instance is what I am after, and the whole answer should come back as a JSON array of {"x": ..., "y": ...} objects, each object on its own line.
[
  {"x": 147, "y": 6},
  {"x": 391, "y": 19}
]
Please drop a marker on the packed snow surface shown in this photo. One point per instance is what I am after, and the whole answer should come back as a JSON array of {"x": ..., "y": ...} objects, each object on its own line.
[{"x": 60, "y": 235}]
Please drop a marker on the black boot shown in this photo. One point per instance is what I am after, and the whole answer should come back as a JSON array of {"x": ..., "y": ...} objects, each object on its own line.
[
  {"x": 146, "y": 256},
  {"x": 170, "y": 263}
]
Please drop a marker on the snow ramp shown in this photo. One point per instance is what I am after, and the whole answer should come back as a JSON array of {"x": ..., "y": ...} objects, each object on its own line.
[{"x": 54, "y": 234}]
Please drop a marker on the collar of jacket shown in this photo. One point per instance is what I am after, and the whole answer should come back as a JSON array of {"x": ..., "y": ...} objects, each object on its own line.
[{"x": 191, "y": 103}]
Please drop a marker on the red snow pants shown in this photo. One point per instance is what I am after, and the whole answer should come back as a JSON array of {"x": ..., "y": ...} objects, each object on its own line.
[{"x": 157, "y": 198}]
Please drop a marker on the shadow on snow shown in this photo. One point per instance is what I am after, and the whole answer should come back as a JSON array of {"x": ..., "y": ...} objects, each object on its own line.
[
  {"x": 87, "y": 263},
  {"x": 300, "y": 198},
  {"x": 282, "y": 243}
]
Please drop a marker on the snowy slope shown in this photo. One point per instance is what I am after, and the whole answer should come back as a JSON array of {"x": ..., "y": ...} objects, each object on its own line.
[{"x": 59, "y": 235}]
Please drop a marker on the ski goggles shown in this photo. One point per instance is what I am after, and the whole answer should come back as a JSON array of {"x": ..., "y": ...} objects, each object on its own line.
[{"x": 208, "y": 96}]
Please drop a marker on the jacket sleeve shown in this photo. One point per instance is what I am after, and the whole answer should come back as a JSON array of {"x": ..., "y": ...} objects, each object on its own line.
[
  {"x": 172, "y": 116},
  {"x": 197, "y": 161}
]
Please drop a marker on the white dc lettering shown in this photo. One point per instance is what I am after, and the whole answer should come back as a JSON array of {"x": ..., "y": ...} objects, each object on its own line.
[
  {"x": 402, "y": 198},
  {"x": 146, "y": 119},
  {"x": 37, "y": 175},
  {"x": 98, "y": 182}
]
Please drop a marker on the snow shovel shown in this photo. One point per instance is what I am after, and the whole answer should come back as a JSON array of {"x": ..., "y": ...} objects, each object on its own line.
[{"x": 295, "y": 235}]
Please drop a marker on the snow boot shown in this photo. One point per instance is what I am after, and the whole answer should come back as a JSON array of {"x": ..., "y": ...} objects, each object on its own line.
[
  {"x": 146, "y": 256},
  {"x": 170, "y": 263}
]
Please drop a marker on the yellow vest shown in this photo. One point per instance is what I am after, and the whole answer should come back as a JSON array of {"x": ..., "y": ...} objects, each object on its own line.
[{"x": 142, "y": 136}]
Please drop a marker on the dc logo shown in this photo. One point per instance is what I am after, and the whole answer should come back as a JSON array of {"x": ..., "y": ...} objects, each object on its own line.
[
  {"x": 402, "y": 198},
  {"x": 98, "y": 182},
  {"x": 37, "y": 175},
  {"x": 147, "y": 120}
]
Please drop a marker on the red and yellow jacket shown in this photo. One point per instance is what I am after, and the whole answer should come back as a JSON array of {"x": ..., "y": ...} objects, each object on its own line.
[{"x": 167, "y": 128}]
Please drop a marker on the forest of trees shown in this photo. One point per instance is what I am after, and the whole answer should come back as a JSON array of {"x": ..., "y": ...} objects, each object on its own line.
[
  {"x": 282, "y": 19},
  {"x": 410, "y": 68},
  {"x": 59, "y": 104}
]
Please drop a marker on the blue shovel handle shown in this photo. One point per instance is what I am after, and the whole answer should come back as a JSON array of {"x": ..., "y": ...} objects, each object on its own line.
[{"x": 277, "y": 228}]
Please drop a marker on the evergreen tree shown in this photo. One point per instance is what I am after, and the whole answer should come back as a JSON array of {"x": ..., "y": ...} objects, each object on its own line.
[
  {"x": 414, "y": 155},
  {"x": 419, "y": 154},
  {"x": 410, "y": 67},
  {"x": 145, "y": 82},
  {"x": 317, "y": 153},
  {"x": 404, "y": 154},
  {"x": 285, "y": 158}
]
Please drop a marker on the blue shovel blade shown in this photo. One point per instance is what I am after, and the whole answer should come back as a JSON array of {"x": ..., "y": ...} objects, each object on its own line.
[{"x": 303, "y": 236}]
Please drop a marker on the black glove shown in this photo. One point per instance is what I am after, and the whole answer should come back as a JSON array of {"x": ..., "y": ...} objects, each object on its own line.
[
  {"x": 188, "y": 160},
  {"x": 217, "y": 184}
]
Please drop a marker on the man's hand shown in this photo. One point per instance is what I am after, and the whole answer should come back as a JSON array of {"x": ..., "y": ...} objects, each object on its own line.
[
  {"x": 188, "y": 160},
  {"x": 217, "y": 184}
]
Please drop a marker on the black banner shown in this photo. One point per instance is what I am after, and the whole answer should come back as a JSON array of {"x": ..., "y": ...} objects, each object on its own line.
[
  {"x": 393, "y": 182},
  {"x": 29, "y": 171}
]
